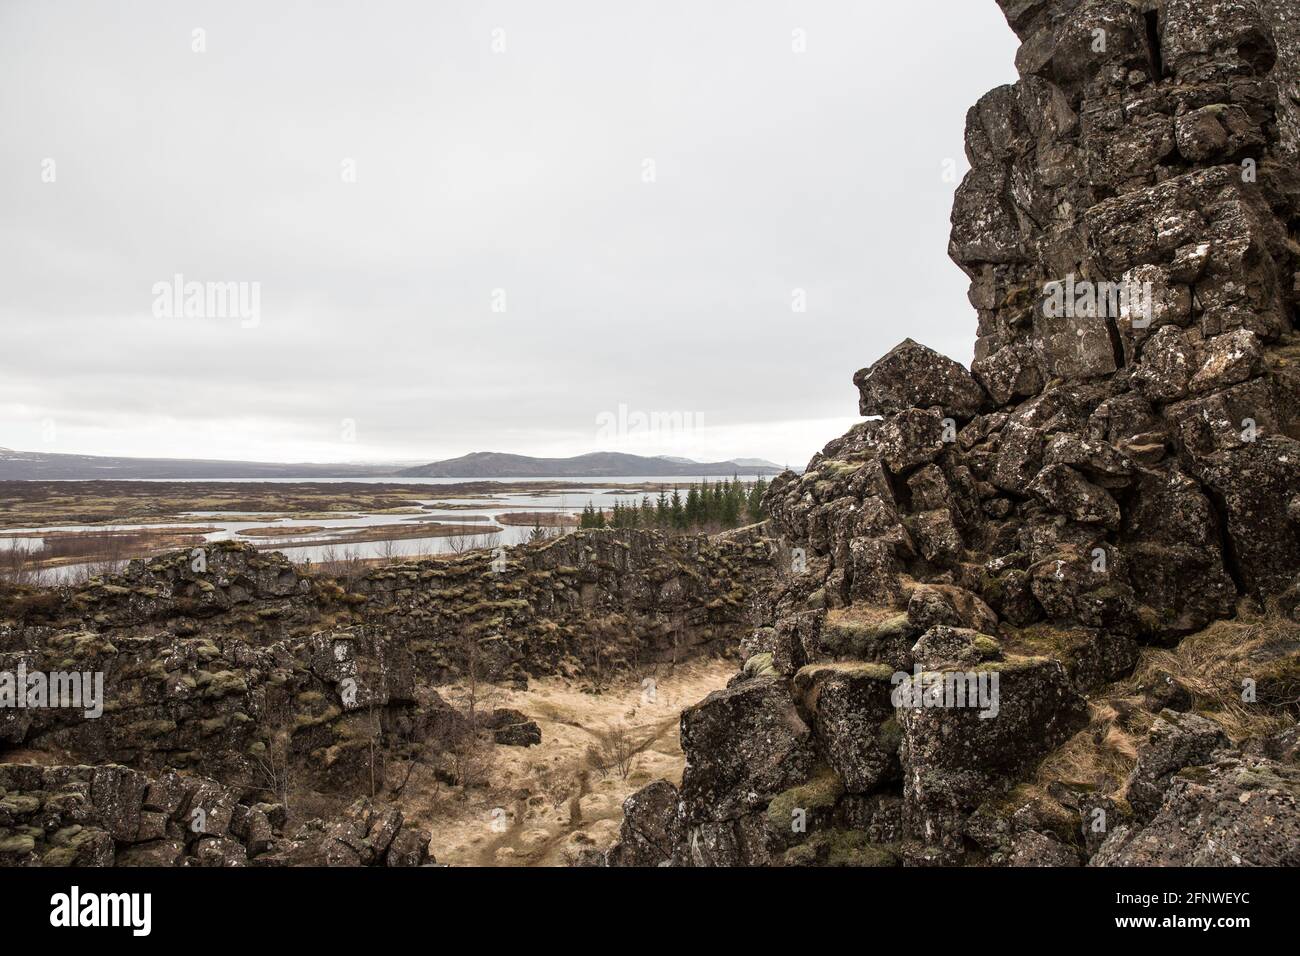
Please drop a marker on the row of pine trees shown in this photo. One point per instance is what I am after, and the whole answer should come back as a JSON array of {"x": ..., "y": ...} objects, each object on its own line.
[{"x": 724, "y": 504}]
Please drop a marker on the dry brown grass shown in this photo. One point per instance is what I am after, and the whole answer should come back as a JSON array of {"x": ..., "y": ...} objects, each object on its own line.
[
  {"x": 1210, "y": 667},
  {"x": 1101, "y": 755},
  {"x": 553, "y": 799}
]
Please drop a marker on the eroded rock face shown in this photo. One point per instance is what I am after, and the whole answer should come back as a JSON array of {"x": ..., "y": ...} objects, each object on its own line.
[
  {"x": 743, "y": 745},
  {"x": 219, "y": 706},
  {"x": 1237, "y": 811},
  {"x": 913, "y": 376},
  {"x": 1174, "y": 742},
  {"x": 114, "y": 816},
  {"x": 1118, "y": 470},
  {"x": 671, "y": 596}
]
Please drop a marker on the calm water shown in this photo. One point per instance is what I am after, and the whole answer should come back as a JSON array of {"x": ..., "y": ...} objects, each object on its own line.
[{"x": 317, "y": 546}]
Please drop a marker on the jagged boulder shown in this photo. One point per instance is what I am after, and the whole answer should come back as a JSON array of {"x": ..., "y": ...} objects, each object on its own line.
[
  {"x": 852, "y": 715},
  {"x": 911, "y": 438},
  {"x": 932, "y": 604},
  {"x": 1010, "y": 372},
  {"x": 512, "y": 728},
  {"x": 739, "y": 842},
  {"x": 1073, "y": 347},
  {"x": 115, "y": 816},
  {"x": 1255, "y": 483},
  {"x": 653, "y": 832},
  {"x": 1174, "y": 741},
  {"x": 743, "y": 746},
  {"x": 366, "y": 834},
  {"x": 966, "y": 738},
  {"x": 1172, "y": 538},
  {"x": 949, "y": 647},
  {"x": 912, "y": 376},
  {"x": 1067, "y": 492},
  {"x": 1237, "y": 811}
]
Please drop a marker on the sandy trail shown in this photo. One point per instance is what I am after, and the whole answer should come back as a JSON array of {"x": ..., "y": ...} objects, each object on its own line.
[{"x": 545, "y": 803}]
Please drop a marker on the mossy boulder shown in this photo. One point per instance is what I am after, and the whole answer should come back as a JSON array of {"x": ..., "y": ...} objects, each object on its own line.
[
  {"x": 842, "y": 848},
  {"x": 802, "y": 811},
  {"x": 852, "y": 714},
  {"x": 743, "y": 745}
]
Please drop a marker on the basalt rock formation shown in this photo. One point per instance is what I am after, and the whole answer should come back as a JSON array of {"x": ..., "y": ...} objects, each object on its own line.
[
  {"x": 113, "y": 816},
  {"x": 988, "y": 575},
  {"x": 236, "y": 671}
]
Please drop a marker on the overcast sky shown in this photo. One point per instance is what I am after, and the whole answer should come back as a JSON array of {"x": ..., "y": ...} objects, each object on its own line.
[{"x": 472, "y": 225}]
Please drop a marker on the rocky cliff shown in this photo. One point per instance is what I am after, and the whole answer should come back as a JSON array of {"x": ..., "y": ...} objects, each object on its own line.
[
  {"x": 1044, "y": 611},
  {"x": 229, "y": 673}
]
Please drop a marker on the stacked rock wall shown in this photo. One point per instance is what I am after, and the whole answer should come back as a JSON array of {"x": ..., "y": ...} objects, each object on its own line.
[
  {"x": 113, "y": 816},
  {"x": 235, "y": 666}
]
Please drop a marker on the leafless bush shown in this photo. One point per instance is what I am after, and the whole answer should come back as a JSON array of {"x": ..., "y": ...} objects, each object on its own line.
[
  {"x": 471, "y": 756},
  {"x": 18, "y": 565},
  {"x": 469, "y": 749},
  {"x": 556, "y": 785},
  {"x": 271, "y": 767},
  {"x": 616, "y": 753},
  {"x": 345, "y": 566},
  {"x": 390, "y": 551},
  {"x": 465, "y": 542}
]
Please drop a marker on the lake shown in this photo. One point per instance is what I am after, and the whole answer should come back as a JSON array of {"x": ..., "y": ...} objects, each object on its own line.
[{"x": 323, "y": 541}]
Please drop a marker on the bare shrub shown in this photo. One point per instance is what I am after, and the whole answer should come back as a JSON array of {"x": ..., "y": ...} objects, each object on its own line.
[
  {"x": 18, "y": 565},
  {"x": 470, "y": 757},
  {"x": 343, "y": 565},
  {"x": 556, "y": 785},
  {"x": 271, "y": 770},
  {"x": 465, "y": 542},
  {"x": 616, "y": 753}
]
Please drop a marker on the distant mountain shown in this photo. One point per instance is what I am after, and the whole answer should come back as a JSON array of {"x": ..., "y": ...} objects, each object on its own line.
[
  {"x": 604, "y": 464},
  {"x": 758, "y": 463},
  {"x": 35, "y": 465},
  {"x": 44, "y": 466}
]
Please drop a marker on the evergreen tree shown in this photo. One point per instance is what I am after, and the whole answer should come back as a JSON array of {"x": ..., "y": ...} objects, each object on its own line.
[
  {"x": 730, "y": 515},
  {"x": 755, "y": 503},
  {"x": 661, "y": 510},
  {"x": 693, "y": 506},
  {"x": 678, "y": 511}
]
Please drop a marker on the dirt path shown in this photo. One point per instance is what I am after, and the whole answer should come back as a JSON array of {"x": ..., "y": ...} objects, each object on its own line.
[{"x": 547, "y": 802}]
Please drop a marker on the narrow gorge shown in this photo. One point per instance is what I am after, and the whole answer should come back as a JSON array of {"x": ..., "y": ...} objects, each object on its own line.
[{"x": 1044, "y": 611}]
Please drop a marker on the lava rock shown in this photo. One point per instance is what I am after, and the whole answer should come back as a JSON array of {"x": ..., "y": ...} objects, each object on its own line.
[{"x": 912, "y": 376}]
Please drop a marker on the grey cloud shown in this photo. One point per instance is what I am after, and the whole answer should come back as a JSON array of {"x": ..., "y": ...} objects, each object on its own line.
[{"x": 476, "y": 171}]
